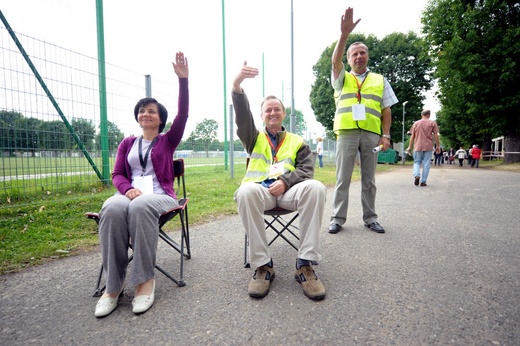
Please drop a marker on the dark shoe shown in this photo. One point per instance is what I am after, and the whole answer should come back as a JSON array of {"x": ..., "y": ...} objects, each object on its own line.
[
  {"x": 376, "y": 227},
  {"x": 334, "y": 228},
  {"x": 312, "y": 286},
  {"x": 423, "y": 184},
  {"x": 416, "y": 181},
  {"x": 259, "y": 284}
]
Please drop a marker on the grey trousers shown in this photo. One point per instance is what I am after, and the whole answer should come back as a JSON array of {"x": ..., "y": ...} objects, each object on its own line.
[
  {"x": 307, "y": 197},
  {"x": 349, "y": 143},
  {"x": 122, "y": 221}
]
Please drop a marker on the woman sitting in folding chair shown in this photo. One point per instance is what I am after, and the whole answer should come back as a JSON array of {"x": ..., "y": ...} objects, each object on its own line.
[{"x": 143, "y": 175}]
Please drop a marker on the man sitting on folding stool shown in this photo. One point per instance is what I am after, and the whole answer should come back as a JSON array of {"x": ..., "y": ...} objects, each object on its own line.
[{"x": 279, "y": 174}]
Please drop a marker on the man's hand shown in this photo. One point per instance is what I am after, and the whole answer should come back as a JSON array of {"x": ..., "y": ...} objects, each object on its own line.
[
  {"x": 245, "y": 72},
  {"x": 277, "y": 188},
  {"x": 347, "y": 22},
  {"x": 385, "y": 142}
]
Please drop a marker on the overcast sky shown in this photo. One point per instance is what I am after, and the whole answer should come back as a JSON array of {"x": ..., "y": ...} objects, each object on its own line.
[{"x": 143, "y": 36}]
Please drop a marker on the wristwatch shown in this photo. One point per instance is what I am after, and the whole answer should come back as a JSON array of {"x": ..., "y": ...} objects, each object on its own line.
[{"x": 386, "y": 136}]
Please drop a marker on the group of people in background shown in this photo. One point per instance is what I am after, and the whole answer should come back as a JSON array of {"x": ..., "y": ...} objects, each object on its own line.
[{"x": 472, "y": 155}]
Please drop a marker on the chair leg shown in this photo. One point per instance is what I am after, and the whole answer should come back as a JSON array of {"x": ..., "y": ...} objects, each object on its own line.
[
  {"x": 183, "y": 248},
  {"x": 99, "y": 290},
  {"x": 279, "y": 233},
  {"x": 246, "y": 247}
]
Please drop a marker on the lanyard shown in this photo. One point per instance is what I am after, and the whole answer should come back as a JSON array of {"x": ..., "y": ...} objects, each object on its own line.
[
  {"x": 144, "y": 161},
  {"x": 359, "y": 86},
  {"x": 273, "y": 149}
]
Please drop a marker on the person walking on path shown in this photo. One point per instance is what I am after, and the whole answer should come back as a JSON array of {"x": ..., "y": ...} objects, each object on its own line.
[
  {"x": 461, "y": 155},
  {"x": 451, "y": 155},
  {"x": 362, "y": 122},
  {"x": 279, "y": 174},
  {"x": 475, "y": 156},
  {"x": 319, "y": 151},
  {"x": 421, "y": 142}
]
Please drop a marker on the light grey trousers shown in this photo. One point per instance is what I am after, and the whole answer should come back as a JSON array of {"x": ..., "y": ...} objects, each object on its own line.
[
  {"x": 307, "y": 197},
  {"x": 349, "y": 143},
  {"x": 122, "y": 221}
]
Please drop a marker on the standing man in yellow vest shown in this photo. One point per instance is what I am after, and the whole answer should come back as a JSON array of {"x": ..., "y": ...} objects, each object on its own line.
[
  {"x": 362, "y": 122},
  {"x": 279, "y": 174}
]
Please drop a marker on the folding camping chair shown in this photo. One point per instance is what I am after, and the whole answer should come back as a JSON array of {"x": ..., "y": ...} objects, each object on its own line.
[
  {"x": 279, "y": 225},
  {"x": 182, "y": 247},
  {"x": 274, "y": 221}
]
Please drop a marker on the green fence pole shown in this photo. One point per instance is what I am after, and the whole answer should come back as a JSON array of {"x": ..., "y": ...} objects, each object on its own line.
[
  {"x": 102, "y": 92},
  {"x": 225, "y": 87}
]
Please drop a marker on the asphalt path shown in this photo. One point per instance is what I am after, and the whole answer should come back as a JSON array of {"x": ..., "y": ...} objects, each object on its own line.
[{"x": 446, "y": 272}]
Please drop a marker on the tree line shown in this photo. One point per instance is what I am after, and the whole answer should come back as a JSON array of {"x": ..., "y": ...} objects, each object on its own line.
[{"x": 19, "y": 133}]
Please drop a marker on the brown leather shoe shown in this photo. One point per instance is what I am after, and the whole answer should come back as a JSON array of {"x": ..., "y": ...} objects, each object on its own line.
[
  {"x": 312, "y": 286},
  {"x": 260, "y": 282},
  {"x": 423, "y": 184}
]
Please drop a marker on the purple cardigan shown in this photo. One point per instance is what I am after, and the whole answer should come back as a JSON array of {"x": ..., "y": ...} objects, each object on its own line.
[{"x": 162, "y": 152}]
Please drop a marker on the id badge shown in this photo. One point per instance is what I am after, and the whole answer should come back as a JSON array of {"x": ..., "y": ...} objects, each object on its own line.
[
  {"x": 276, "y": 170},
  {"x": 143, "y": 184},
  {"x": 358, "y": 111}
]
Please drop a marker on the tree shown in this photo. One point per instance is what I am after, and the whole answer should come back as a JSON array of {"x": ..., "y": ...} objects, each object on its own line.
[
  {"x": 8, "y": 130},
  {"x": 85, "y": 131},
  {"x": 205, "y": 133},
  {"x": 300, "y": 124},
  {"x": 401, "y": 58},
  {"x": 27, "y": 138},
  {"x": 115, "y": 136},
  {"x": 54, "y": 136},
  {"x": 475, "y": 47}
]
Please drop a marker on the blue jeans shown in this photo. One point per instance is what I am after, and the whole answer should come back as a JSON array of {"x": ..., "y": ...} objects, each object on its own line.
[
  {"x": 424, "y": 158},
  {"x": 320, "y": 160}
]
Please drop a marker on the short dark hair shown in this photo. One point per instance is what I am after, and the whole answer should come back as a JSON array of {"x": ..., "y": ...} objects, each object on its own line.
[
  {"x": 425, "y": 112},
  {"x": 163, "y": 113},
  {"x": 356, "y": 44},
  {"x": 271, "y": 97}
]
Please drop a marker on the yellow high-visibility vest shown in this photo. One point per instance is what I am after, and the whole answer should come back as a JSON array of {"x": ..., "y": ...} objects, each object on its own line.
[
  {"x": 371, "y": 97},
  {"x": 262, "y": 158}
]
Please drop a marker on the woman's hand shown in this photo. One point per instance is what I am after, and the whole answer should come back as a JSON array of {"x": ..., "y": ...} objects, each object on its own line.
[
  {"x": 180, "y": 66},
  {"x": 133, "y": 193}
]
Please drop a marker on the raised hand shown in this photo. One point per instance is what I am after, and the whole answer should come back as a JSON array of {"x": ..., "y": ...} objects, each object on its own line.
[
  {"x": 347, "y": 21},
  {"x": 180, "y": 66},
  {"x": 245, "y": 72}
]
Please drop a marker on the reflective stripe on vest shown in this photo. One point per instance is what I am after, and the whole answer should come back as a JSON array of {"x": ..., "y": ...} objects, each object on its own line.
[
  {"x": 262, "y": 158},
  {"x": 371, "y": 97}
]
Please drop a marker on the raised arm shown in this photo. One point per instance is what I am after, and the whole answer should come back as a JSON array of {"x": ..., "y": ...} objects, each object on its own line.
[
  {"x": 347, "y": 26},
  {"x": 180, "y": 66},
  {"x": 246, "y": 129}
]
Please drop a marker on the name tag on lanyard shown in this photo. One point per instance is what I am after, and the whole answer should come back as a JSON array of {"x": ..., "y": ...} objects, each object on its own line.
[
  {"x": 359, "y": 112},
  {"x": 143, "y": 184},
  {"x": 276, "y": 170}
]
